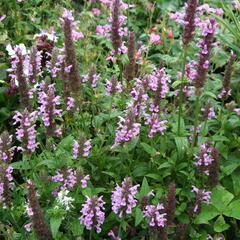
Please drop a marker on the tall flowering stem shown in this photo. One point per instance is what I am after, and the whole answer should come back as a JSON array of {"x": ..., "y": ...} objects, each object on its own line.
[
  {"x": 226, "y": 90},
  {"x": 38, "y": 222},
  {"x": 123, "y": 199},
  {"x": 181, "y": 90},
  {"x": 188, "y": 34},
  {"x": 205, "y": 44},
  {"x": 73, "y": 75},
  {"x": 131, "y": 67},
  {"x": 116, "y": 38},
  {"x": 22, "y": 81}
]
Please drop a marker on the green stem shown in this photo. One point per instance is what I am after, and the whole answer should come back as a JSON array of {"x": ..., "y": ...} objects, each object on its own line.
[
  {"x": 90, "y": 237},
  {"x": 197, "y": 110},
  {"x": 181, "y": 90}
]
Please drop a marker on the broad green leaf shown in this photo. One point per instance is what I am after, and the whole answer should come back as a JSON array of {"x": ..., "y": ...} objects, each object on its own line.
[
  {"x": 76, "y": 227},
  {"x": 66, "y": 142},
  {"x": 131, "y": 145},
  {"x": 233, "y": 209},
  {"x": 208, "y": 212},
  {"x": 220, "y": 198},
  {"x": 138, "y": 216},
  {"x": 55, "y": 223},
  {"x": 182, "y": 144},
  {"x": 145, "y": 189},
  {"x": 148, "y": 148},
  {"x": 154, "y": 176},
  {"x": 220, "y": 225}
]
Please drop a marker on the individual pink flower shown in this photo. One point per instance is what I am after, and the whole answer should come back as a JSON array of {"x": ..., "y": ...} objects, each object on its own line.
[
  {"x": 2, "y": 17},
  {"x": 237, "y": 110},
  {"x": 96, "y": 12},
  {"x": 155, "y": 38},
  {"x": 28, "y": 227}
]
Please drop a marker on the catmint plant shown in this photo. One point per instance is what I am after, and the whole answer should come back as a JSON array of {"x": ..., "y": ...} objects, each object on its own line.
[
  {"x": 93, "y": 215},
  {"x": 123, "y": 198}
]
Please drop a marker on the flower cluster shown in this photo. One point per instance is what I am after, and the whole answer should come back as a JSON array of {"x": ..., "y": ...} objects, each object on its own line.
[
  {"x": 68, "y": 179},
  {"x": 6, "y": 149},
  {"x": 157, "y": 219},
  {"x": 92, "y": 78},
  {"x": 155, "y": 124},
  {"x": 63, "y": 199},
  {"x": 81, "y": 148},
  {"x": 26, "y": 132},
  {"x": 128, "y": 128},
  {"x": 205, "y": 44},
  {"x": 114, "y": 235},
  {"x": 123, "y": 198},
  {"x": 204, "y": 158},
  {"x": 48, "y": 107},
  {"x": 113, "y": 86},
  {"x": 20, "y": 72},
  {"x": 209, "y": 112},
  {"x": 92, "y": 213},
  {"x": 6, "y": 184},
  {"x": 158, "y": 82},
  {"x": 202, "y": 196}
]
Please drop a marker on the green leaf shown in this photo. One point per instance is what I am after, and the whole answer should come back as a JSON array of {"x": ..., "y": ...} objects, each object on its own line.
[
  {"x": 208, "y": 212},
  {"x": 148, "y": 149},
  {"x": 233, "y": 210},
  {"x": 22, "y": 165},
  {"x": 220, "y": 224},
  {"x": 138, "y": 217},
  {"x": 220, "y": 198},
  {"x": 209, "y": 94},
  {"x": 145, "y": 189},
  {"x": 154, "y": 176},
  {"x": 182, "y": 144},
  {"x": 76, "y": 227},
  {"x": 131, "y": 145},
  {"x": 55, "y": 223},
  {"x": 66, "y": 142}
]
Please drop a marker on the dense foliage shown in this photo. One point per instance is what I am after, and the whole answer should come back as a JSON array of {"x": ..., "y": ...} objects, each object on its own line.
[{"x": 120, "y": 119}]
